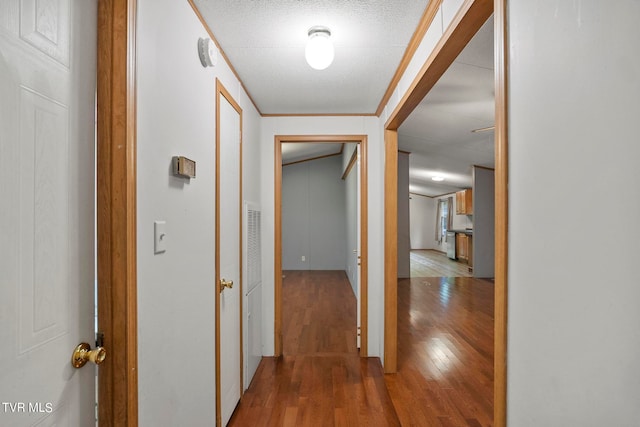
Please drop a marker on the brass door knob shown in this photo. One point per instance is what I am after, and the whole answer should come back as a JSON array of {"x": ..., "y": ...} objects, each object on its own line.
[
  {"x": 83, "y": 354},
  {"x": 225, "y": 284}
]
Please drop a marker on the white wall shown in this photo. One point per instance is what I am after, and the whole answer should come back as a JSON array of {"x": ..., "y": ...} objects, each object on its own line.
[
  {"x": 404, "y": 244},
  {"x": 314, "y": 215},
  {"x": 484, "y": 222},
  {"x": 176, "y": 116},
  {"x": 422, "y": 222},
  {"x": 573, "y": 335},
  {"x": 250, "y": 149},
  {"x": 343, "y": 125},
  {"x": 573, "y": 340}
]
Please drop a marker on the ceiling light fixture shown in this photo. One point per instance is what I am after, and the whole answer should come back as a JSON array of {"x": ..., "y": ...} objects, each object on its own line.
[
  {"x": 488, "y": 128},
  {"x": 319, "y": 51},
  {"x": 437, "y": 178}
]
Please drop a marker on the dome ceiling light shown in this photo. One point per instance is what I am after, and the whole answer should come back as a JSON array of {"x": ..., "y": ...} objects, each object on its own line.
[{"x": 319, "y": 51}]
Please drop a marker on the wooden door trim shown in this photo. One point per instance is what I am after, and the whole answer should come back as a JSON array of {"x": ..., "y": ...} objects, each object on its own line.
[
  {"x": 390, "y": 251},
  {"x": 501, "y": 64},
  {"x": 221, "y": 91},
  {"x": 364, "y": 230},
  {"x": 471, "y": 16},
  {"x": 116, "y": 211},
  {"x": 430, "y": 12}
]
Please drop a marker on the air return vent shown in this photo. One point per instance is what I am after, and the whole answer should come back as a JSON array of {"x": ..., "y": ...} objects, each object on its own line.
[{"x": 253, "y": 245}]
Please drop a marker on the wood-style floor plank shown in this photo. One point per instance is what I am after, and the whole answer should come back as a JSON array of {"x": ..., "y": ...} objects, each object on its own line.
[
  {"x": 445, "y": 352},
  {"x": 431, "y": 263},
  {"x": 320, "y": 380},
  {"x": 318, "y": 312},
  {"x": 445, "y": 358}
]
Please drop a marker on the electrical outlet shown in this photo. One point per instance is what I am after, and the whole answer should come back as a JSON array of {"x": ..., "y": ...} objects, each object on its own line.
[{"x": 304, "y": 258}]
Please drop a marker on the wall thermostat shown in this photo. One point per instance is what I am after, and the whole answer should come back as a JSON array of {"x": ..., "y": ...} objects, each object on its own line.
[
  {"x": 184, "y": 167},
  {"x": 207, "y": 52}
]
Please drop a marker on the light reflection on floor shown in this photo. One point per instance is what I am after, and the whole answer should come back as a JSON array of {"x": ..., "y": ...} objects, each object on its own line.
[
  {"x": 439, "y": 353},
  {"x": 445, "y": 350},
  {"x": 444, "y": 291}
]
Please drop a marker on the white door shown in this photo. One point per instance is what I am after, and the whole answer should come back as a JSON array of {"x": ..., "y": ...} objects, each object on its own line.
[
  {"x": 47, "y": 114},
  {"x": 229, "y": 252}
]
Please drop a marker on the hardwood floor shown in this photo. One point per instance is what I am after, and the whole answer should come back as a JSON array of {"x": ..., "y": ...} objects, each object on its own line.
[
  {"x": 445, "y": 352},
  {"x": 445, "y": 358},
  {"x": 430, "y": 263},
  {"x": 321, "y": 380},
  {"x": 318, "y": 313}
]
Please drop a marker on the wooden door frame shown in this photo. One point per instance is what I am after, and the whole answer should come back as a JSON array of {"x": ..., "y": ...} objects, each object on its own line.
[
  {"x": 364, "y": 215},
  {"x": 221, "y": 91},
  {"x": 469, "y": 19},
  {"x": 116, "y": 211}
]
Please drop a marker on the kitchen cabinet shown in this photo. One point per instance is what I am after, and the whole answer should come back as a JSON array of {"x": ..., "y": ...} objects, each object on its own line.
[
  {"x": 464, "y": 202},
  {"x": 464, "y": 248}
]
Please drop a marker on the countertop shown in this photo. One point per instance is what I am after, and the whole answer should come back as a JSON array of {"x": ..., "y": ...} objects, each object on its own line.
[{"x": 467, "y": 232}]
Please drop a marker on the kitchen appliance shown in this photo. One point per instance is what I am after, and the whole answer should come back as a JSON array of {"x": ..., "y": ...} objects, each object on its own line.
[{"x": 451, "y": 244}]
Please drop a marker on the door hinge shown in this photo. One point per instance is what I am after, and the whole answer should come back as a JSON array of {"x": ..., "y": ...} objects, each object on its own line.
[{"x": 99, "y": 339}]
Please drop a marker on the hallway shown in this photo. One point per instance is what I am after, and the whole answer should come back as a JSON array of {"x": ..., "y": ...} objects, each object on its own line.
[
  {"x": 445, "y": 377},
  {"x": 320, "y": 380}
]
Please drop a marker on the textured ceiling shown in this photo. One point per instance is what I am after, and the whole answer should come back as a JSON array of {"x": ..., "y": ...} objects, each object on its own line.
[
  {"x": 438, "y": 132},
  {"x": 265, "y": 41}
]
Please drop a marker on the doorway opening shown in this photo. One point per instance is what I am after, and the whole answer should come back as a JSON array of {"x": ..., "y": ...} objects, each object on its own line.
[
  {"x": 464, "y": 26},
  {"x": 445, "y": 306},
  {"x": 361, "y": 142}
]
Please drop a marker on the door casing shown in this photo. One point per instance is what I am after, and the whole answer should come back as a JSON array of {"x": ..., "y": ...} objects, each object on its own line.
[
  {"x": 116, "y": 211},
  {"x": 364, "y": 249},
  {"x": 470, "y": 17}
]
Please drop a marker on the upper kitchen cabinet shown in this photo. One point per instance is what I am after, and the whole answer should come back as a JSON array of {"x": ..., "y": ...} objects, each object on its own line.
[{"x": 464, "y": 202}]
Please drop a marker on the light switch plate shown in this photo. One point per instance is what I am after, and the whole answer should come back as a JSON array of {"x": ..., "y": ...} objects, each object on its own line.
[{"x": 159, "y": 236}]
